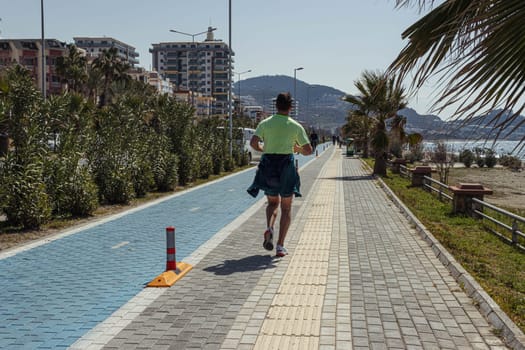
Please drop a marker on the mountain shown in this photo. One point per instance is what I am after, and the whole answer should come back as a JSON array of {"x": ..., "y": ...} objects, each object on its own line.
[
  {"x": 322, "y": 106},
  {"x": 433, "y": 128},
  {"x": 319, "y": 105}
]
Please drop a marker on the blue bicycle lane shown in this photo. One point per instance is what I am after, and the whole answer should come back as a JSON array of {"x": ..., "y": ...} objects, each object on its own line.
[{"x": 53, "y": 294}]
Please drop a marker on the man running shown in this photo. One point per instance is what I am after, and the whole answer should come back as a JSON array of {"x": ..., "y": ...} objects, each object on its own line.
[{"x": 276, "y": 174}]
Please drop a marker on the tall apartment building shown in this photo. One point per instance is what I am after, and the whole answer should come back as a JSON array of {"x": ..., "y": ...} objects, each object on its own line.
[
  {"x": 27, "y": 53},
  {"x": 200, "y": 67},
  {"x": 95, "y": 45}
]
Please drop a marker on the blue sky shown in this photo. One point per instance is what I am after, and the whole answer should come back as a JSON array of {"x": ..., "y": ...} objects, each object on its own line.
[{"x": 334, "y": 40}]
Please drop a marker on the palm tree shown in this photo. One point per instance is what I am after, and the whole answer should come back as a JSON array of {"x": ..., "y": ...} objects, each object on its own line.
[
  {"x": 112, "y": 69},
  {"x": 397, "y": 134},
  {"x": 380, "y": 97},
  {"x": 73, "y": 69},
  {"x": 477, "y": 49},
  {"x": 93, "y": 84}
]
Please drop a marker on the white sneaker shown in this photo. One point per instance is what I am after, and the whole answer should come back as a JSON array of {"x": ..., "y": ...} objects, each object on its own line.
[{"x": 280, "y": 251}]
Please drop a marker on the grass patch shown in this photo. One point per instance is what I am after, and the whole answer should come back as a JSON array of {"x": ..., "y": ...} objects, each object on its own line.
[{"x": 498, "y": 267}]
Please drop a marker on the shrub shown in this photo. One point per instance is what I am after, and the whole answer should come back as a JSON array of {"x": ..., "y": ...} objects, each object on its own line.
[
  {"x": 511, "y": 162},
  {"x": 164, "y": 164},
  {"x": 229, "y": 163},
  {"x": 218, "y": 162},
  {"x": 444, "y": 160},
  {"x": 206, "y": 165},
  {"x": 396, "y": 148},
  {"x": 115, "y": 185},
  {"x": 490, "y": 158},
  {"x": 187, "y": 168},
  {"x": 480, "y": 161},
  {"x": 70, "y": 187},
  {"x": 415, "y": 154},
  {"x": 82, "y": 198},
  {"x": 142, "y": 177},
  {"x": 26, "y": 200},
  {"x": 165, "y": 171},
  {"x": 466, "y": 157}
]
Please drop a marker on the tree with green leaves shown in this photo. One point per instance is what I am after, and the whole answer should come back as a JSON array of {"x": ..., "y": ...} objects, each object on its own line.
[
  {"x": 72, "y": 69},
  {"x": 397, "y": 136},
  {"x": 112, "y": 70},
  {"x": 476, "y": 49},
  {"x": 358, "y": 127},
  {"x": 23, "y": 195},
  {"x": 379, "y": 98},
  {"x": 68, "y": 178},
  {"x": 415, "y": 147}
]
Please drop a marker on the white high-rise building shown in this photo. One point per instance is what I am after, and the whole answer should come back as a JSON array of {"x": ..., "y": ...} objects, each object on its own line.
[{"x": 200, "y": 67}]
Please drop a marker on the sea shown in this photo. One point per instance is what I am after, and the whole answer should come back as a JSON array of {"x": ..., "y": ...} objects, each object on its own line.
[{"x": 500, "y": 147}]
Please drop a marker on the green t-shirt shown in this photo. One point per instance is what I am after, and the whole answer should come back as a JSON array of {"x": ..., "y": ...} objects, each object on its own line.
[{"x": 280, "y": 133}]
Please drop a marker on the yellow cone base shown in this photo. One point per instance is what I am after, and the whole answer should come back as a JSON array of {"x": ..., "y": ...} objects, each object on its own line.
[{"x": 168, "y": 278}]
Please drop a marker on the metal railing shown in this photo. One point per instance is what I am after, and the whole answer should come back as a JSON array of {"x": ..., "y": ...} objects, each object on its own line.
[
  {"x": 514, "y": 225},
  {"x": 515, "y": 232},
  {"x": 441, "y": 189},
  {"x": 403, "y": 171}
]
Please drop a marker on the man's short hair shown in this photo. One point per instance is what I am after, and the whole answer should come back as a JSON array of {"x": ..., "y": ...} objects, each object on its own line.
[{"x": 283, "y": 101}]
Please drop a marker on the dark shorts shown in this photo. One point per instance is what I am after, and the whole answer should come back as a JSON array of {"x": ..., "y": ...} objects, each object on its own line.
[
  {"x": 276, "y": 168},
  {"x": 276, "y": 175}
]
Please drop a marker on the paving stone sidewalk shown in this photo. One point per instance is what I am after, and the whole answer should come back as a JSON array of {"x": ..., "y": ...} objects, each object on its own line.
[{"x": 358, "y": 277}]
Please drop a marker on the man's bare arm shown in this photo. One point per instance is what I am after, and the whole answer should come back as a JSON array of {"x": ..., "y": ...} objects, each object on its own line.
[
  {"x": 254, "y": 142},
  {"x": 305, "y": 150}
]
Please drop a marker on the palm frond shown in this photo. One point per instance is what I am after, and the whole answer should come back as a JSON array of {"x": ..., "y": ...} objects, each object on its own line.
[{"x": 477, "y": 48}]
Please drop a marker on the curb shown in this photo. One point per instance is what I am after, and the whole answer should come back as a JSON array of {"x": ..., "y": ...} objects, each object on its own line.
[{"x": 510, "y": 333}]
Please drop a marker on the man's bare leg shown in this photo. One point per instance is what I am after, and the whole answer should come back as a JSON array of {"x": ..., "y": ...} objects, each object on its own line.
[
  {"x": 286, "y": 218},
  {"x": 271, "y": 210}
]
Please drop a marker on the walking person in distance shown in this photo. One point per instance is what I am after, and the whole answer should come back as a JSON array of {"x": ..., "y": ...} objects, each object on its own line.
[{"x": 276, "y": 175}]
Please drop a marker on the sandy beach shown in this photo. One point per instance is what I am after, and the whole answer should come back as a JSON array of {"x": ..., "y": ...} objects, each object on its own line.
[{"x": 508, "y": 185}]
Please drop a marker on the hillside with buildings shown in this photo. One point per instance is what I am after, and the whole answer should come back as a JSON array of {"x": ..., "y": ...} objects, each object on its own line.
[
  {"x": 322, "y": 106},
  {"x": 318, "y": 106}
]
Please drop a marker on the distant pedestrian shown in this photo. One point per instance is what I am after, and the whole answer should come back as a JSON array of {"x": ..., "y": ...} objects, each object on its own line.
[
  {"x": 276, "y": 174},
  {"x": 314, "y": 140},
  {"x": 333, "y": 139}
]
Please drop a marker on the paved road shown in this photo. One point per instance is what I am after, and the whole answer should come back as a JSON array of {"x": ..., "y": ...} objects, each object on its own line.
[
  {"x": 358, "y": 276},
  {"x": 54, "y": 293}
]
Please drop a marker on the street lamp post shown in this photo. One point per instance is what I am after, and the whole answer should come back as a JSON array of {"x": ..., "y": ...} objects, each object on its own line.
[
  {"x": 230, "y": 118},
  {"x": 239, "y": 82},
  {"x": 295, "y": 88},
  {"x": 192, "y": 35},
  {"x": 43, "y": 49}
]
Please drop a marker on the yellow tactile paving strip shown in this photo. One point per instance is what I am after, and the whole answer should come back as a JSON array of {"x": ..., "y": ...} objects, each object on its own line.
[{"x": 294, "y": 317}]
